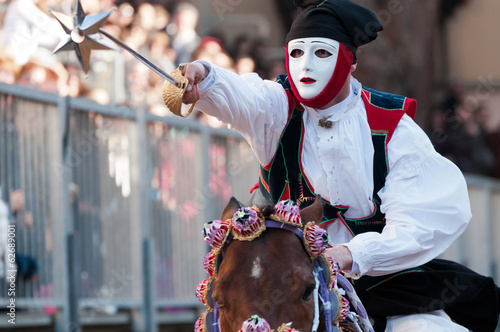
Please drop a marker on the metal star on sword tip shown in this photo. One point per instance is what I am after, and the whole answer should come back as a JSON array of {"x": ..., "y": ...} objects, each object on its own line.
[{"x": 80, "y": 29}]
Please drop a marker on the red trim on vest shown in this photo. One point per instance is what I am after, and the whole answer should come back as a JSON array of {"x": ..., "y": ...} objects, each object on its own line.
[
  {"x": 293, "y": 102},
  {"x": 264, "y": 182},
  {"x": 286, "y": 193},
  {"x": 341, "y": 218},
  {"x": 255, "y": 187},
  {"x": 385, "y": 121}
]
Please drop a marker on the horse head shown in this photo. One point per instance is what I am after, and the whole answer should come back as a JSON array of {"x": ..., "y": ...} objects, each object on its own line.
[
  {"x": 267, "y": 267},
  {"x": 270, "y": 276}
]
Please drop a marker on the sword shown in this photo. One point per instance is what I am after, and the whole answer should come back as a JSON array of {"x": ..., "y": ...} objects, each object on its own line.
[
  {"x": 81, "y": 30},
  {"x": 142, "y": 59}
]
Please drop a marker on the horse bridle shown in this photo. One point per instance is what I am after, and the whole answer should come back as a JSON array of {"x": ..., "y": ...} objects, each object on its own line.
[{"x": 332, "y": 302}]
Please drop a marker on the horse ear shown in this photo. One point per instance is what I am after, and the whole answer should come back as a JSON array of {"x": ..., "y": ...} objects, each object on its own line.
[
  {"x": 230, "y": 209},
  {"x": 313, "y": 212}
]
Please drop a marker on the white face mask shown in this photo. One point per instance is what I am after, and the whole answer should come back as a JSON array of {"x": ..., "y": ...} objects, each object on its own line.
[{"x": 311, "y": 63}]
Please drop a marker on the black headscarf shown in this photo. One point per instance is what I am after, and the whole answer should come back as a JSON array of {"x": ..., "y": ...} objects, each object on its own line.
[{"x": 340, "y": 20}]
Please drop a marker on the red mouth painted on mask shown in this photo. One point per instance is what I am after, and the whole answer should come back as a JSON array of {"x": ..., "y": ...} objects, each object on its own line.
[{"x": 307, "y": 80}]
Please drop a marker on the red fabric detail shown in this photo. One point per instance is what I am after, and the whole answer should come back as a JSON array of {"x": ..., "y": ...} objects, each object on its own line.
[
  {"x": 411, "y": 107},
  {"x": 332, "y": 89},
  {"x": 264, "y": 183},
  {"x": 341, "y": 218},
  {"x": 255, "y": 187},
  {"x": 293, "y": 102},
  {"x": 286, "y": 193},
  {"x": 385, "y": 121}
]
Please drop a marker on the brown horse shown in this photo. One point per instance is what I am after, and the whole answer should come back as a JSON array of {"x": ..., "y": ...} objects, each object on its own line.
[
  {"x": 270, "y": 276},
  {"x": 267, "y": 271}
]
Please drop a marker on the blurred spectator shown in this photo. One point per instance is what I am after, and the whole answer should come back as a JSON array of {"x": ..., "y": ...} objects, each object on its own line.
[
  {"x": 136, "y": 38},
  {"x": 49, "y": 76},
  {"x": 123, "y": 16},
  {"x": 211, "y": 49},
  {"x": 160, "y": 51},
  {"x": 138, "y": 83},
  {"x": 26, "y": 266},
  {"x": 29, "y": 31},
  {"x": 162, "y": 17},
  {"x": 459, "y": 135},
  {"x": 242, "y": 46},
  {"x": 260, "y": 54},
  {"x": 146, "y": 17},
  {"x": 454, "y": 97},
  {"x": 491, "y": 121},
  {"x": 276, "y": 67},
  {"x": 9, "y": 70},
  {"x": 185, "y": 39},
  {"x": 244, "y": 65},
  {"x": 74, "y": 85}
]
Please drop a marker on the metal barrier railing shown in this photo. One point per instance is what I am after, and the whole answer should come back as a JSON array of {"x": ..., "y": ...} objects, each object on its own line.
[{"x": 118, "y": 198}]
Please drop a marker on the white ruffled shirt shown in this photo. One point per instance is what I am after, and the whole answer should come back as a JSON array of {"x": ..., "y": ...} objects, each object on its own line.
[{"x": 425, "y": 198}]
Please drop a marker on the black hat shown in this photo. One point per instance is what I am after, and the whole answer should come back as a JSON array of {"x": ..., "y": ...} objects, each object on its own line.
[{"x": 340, "y": 20}]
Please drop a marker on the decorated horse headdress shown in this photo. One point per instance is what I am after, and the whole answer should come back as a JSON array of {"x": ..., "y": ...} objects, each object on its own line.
[{"x": 333, "y": 294}]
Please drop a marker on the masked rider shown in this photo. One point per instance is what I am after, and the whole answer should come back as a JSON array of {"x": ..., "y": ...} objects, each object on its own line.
[{"x": 392, "y": 203}]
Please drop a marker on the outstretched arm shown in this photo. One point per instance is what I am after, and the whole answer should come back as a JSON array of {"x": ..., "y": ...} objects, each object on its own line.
[{"x": 257, "y": 108}]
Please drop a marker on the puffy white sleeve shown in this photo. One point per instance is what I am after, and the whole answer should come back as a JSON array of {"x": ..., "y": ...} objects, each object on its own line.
[
  {"x": 426, "y": 206},
  {"x": 256, "y": 108}
]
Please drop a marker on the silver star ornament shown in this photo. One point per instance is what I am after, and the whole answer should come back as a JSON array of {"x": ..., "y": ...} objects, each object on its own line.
[{"x": 82, "y": 33}]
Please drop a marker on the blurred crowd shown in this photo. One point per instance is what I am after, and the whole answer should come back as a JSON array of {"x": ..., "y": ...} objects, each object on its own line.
[
  {"x": 460, "y": 127},
  {"x": 465, "y": 128},
  {"x": 165, "y": 36}
]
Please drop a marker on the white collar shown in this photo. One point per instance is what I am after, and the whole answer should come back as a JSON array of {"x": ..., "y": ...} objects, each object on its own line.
[{"x": 339, "y": 110}]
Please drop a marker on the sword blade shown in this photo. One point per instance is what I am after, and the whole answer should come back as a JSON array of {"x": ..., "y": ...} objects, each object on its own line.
[{"x": 142, "y": 59}]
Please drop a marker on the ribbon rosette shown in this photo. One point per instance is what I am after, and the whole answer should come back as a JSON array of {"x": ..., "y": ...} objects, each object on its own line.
[
  {"x": 202, "y": 291},
  {"x": 248, "y": 224},
  {"x": 333, "y": 267},
  {"x": 344, "y": 311},
  {"x": 200, "y": 325},
  {"x": 255, "y": 324},
  {"x": 286, "y": 328},
  {"x": 209, "y": 263},
  {"x": 215, "y": 233},
  {"x": 316, "y": 239},
  {"x": 288, "y": 212}
]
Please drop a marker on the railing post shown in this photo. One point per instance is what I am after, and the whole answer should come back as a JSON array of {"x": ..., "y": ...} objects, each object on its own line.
[
  {"x": 148, "y": 320},
  {"x": 68, "y": 320}
]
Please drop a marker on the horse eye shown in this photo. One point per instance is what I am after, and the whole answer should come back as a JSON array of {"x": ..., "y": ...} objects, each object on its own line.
[{"x": 308, "y": 293}]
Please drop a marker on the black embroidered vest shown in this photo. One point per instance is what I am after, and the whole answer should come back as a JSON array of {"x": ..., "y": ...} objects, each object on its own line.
[{"x": 284, "y": 178}]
